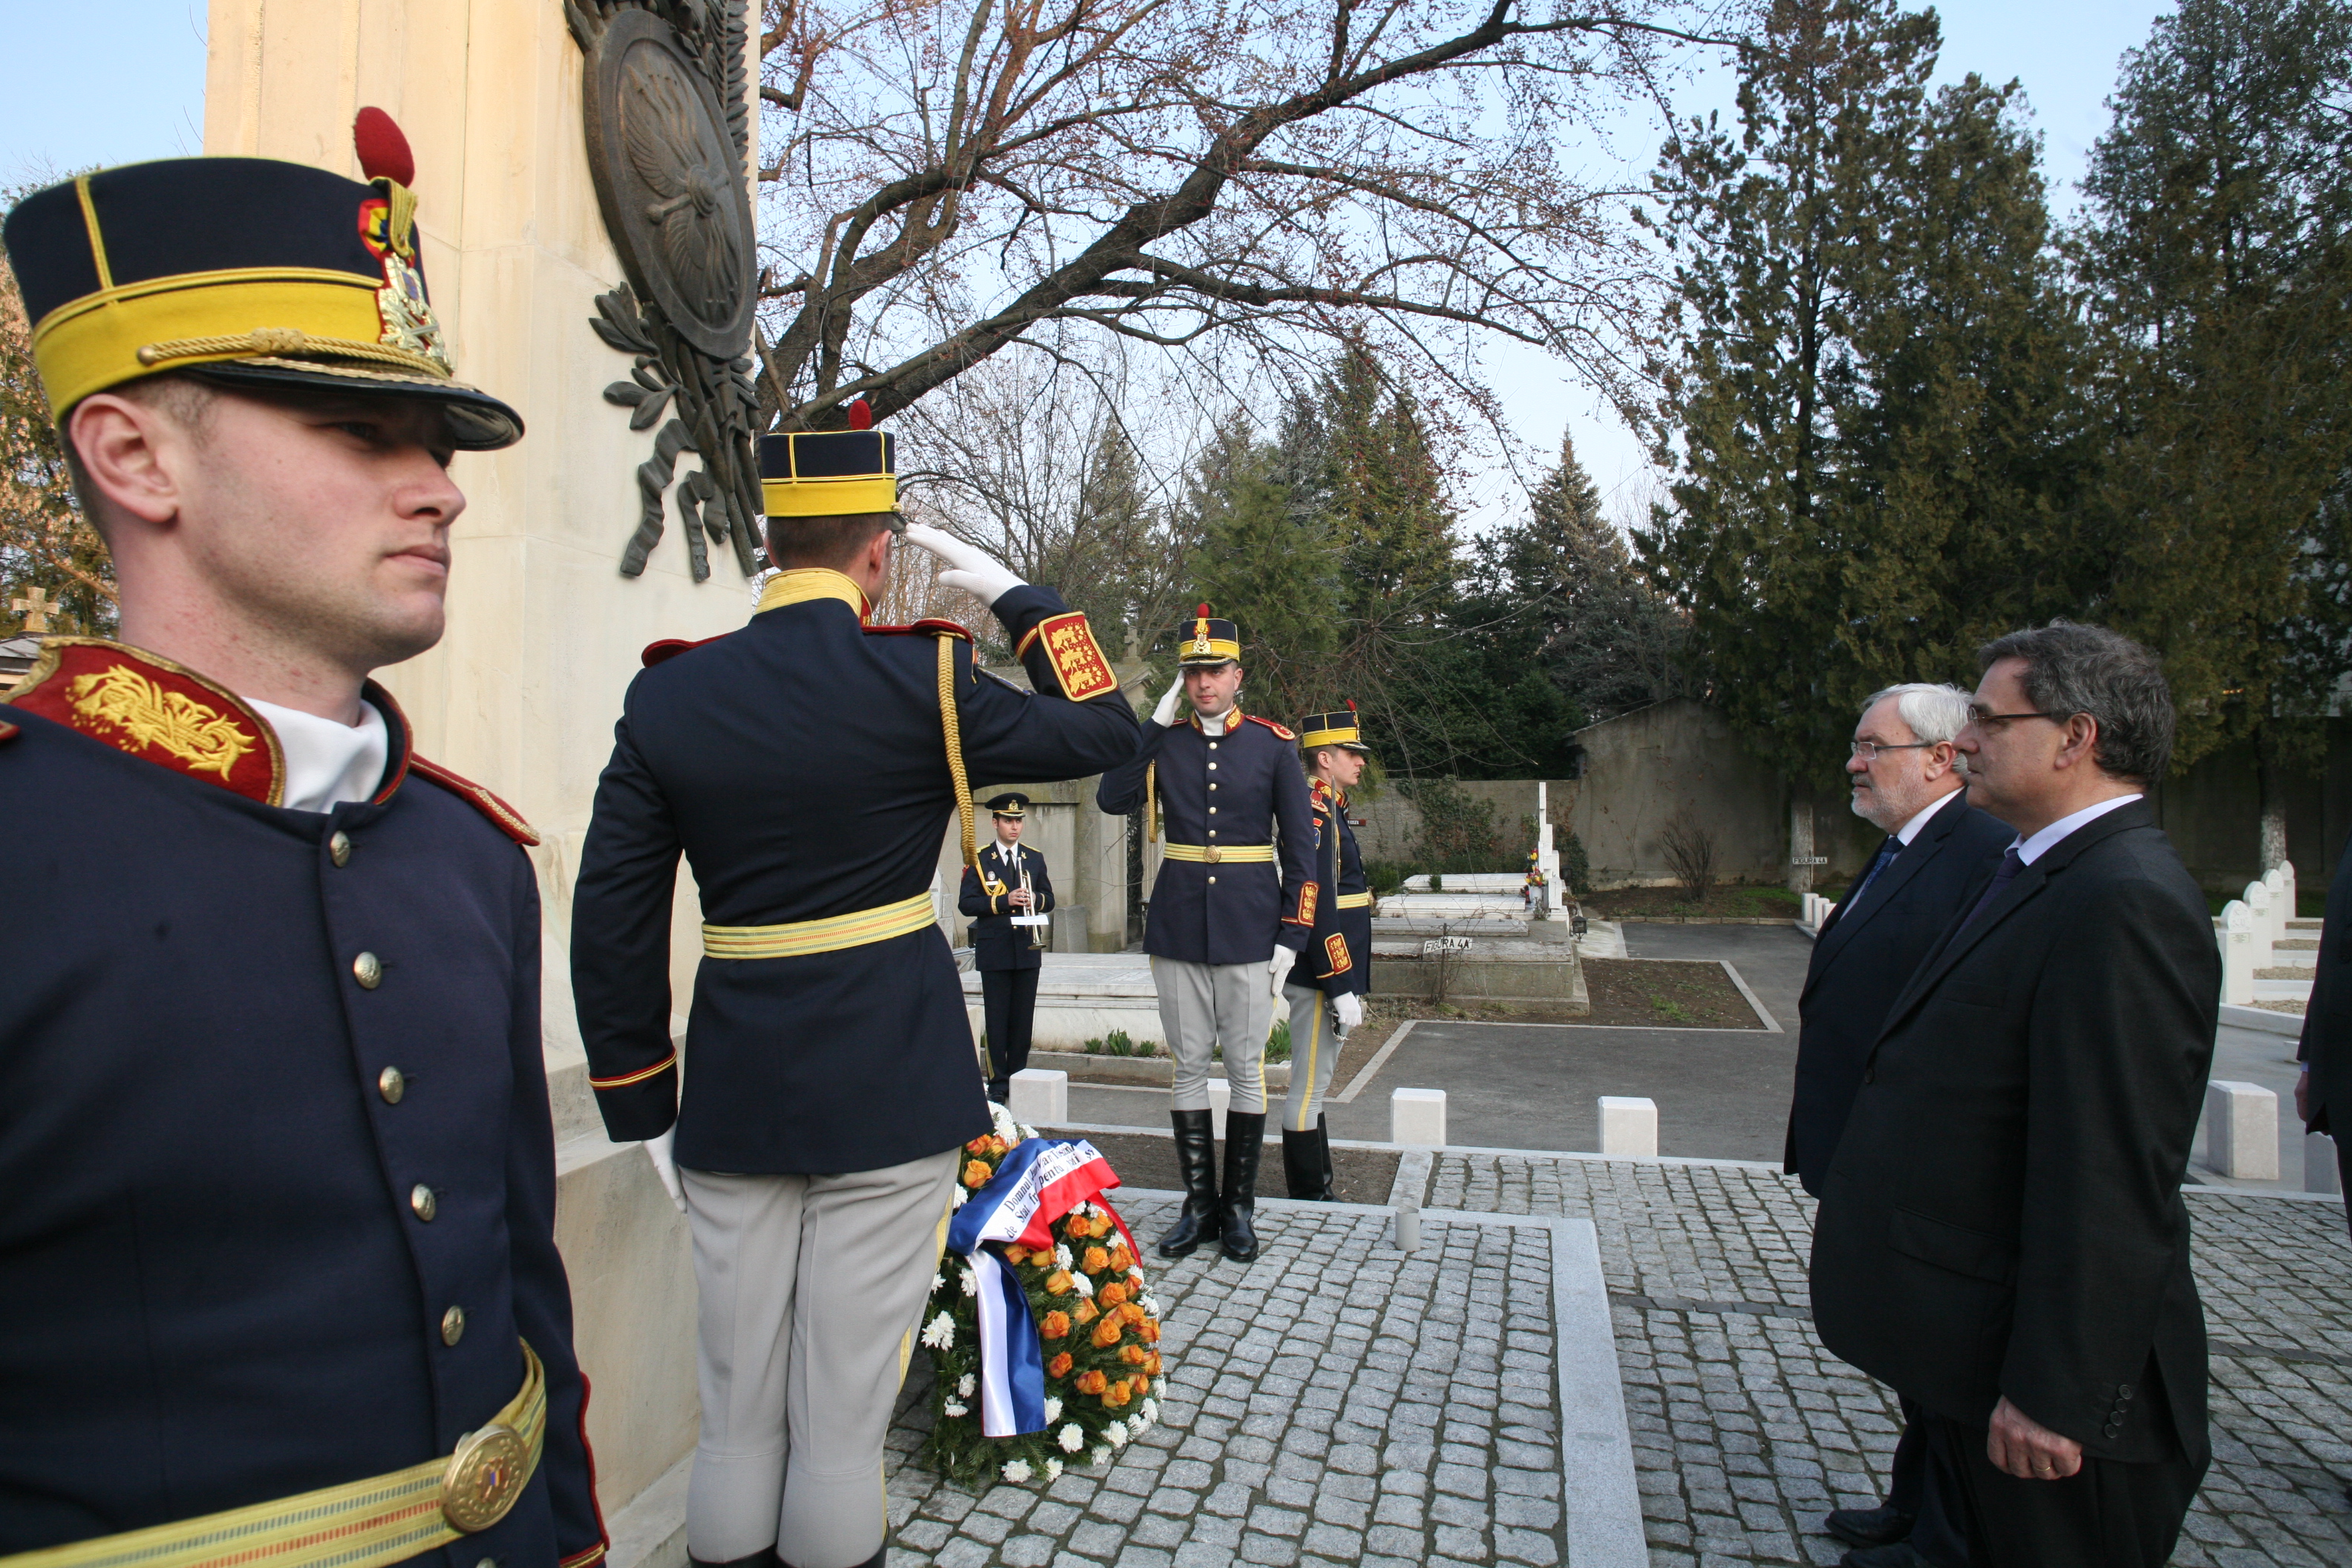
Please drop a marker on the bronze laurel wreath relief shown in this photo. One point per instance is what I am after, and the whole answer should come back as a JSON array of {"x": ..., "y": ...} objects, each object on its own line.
[{"x": 668, "y": 119}]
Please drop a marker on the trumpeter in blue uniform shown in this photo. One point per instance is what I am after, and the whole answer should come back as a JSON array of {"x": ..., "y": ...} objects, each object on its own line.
[
  {"x": 806, "y": 767},
  {"x": 1326, "y": 985},
  {"x": 1008, "y": 896},
  {"x": 277, "y": 1272},
  {"x": 1233, "y": 903}
]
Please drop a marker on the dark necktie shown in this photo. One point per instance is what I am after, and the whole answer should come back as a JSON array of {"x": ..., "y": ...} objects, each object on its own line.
[
  {"x": 1883, "y": 859},
  {"x": 2011, "y": 863}
]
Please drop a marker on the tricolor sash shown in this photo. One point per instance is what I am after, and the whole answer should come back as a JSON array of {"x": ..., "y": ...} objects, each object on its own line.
[{"x": 1037, "y": 1183}]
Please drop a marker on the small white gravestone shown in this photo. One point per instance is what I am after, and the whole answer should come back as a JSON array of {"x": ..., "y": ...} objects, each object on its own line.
[
  {"x": 1040, "y": 1096},
  {"x": 1629, "y": 1126},
  {"x": 2321, "y": 1172},
  {"x": 1417, "y": 1116},
  {"x": 2242, "y": 1131},
  {"x": 2267, "y": 929},
  {"x": 2234, "y": 930},
  {"x": 1221, "y": 1098}
]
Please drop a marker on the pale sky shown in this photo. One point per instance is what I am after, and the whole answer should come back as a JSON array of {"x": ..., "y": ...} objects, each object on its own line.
[{"x": 123, "y": 81}]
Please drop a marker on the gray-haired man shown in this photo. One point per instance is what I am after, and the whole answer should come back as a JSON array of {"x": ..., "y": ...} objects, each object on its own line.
[{"x": 1906, "y": 780}]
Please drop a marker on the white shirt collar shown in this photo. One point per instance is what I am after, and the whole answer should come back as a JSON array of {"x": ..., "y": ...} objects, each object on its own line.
[
  {"x": 327, "y": 762},
  {"x": 2032, "y": 850},
  {"x": 1910, "y": 829},
  {"x": 1216, "y": 726}
]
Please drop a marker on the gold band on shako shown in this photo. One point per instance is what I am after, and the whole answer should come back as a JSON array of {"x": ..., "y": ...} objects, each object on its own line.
[
  {"x": 829, "y": 473},
  {"x": 1211, "y": 640},
  {"x": 1338, "y": 729}
]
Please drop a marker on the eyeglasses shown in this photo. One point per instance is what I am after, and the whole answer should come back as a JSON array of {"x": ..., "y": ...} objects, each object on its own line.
[
  {"x": 1984, "y": 718},
  {"x": 1868, "y": 750}
]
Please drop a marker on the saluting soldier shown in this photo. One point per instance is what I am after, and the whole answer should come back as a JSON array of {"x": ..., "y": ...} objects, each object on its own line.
[
  {"x": 1008, "y": 895},
  {"x": 1328, "y": 985},
  {"x": 1233, "y": 904},
  {"x": 806, "y": 766},
  {"x": 277, "y": 1270}
]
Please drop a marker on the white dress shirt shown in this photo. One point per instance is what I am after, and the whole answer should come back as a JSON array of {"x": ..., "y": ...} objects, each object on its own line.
[
  {"x": 2032, "y": 850},
  {"x": 1910, "y": 829},
  {"x": 328, "y": 762}
]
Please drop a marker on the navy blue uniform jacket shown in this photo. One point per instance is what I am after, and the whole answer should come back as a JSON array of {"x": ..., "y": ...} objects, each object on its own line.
[
  {"x": 1861, "y": 960},
  {"x": 1229, "y": 792},
  {"x": 799, "y": 765},
  {"x": 2327, "y": 1047},
  {"x": 214, "y": 1287},
  {"x": 2003, "y": 1213},
  {"x": 996, "y": 941},
  {"x": 1338, "y": 956}
]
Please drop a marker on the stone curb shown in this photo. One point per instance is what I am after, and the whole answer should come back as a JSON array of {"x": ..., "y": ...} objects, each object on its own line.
[{"x": 1156, "y": 1071}]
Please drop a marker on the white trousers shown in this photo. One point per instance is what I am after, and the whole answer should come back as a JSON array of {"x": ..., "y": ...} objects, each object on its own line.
[
  {"x": 1203, "y": 1006},
  {"x": 1315, "y": 1042},
  {"x": 811, "y": 1289}
]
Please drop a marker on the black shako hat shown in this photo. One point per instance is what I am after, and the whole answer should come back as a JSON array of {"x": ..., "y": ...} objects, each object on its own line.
[
  {"x": 830, "y": 473},
  {"x": 1011, "y": 803},
  {"x": 1211, "y": 641},
  {"x": 1342, "y": 730},
  {"x": 244, "y": 271}
]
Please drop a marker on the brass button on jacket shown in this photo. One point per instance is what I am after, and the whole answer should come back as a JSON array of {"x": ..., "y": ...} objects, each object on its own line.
[
  {"x": 391, "y": 1083},
  {"x": 339, "y": 847},
  {"x": 368, "y": 970},
  {"x": 453, "y": 1325},
  {"x": 421, "y": 1199}
]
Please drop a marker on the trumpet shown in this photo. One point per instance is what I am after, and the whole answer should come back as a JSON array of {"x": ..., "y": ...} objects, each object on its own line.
[{"x": 1037, "y": 921}]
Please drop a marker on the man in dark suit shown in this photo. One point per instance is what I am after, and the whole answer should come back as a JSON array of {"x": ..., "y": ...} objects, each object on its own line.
[
  {"x": 2001, "y": 1237},
  {"x": 1908, "y": 781},
  {"x": 1005, "y": 886},
  {"x": 2326, "y": 1052}
]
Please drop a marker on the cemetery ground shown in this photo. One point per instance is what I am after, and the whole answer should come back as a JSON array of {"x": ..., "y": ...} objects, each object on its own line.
[{"x": 1339, "y": 1401}]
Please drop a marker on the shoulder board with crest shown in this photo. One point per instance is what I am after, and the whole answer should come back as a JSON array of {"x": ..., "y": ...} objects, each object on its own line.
[
  {"x": 1278, "y": 730},
  {"x": 671, "y": 647},
  {"x": 508, "y": 820},
  {"x": 930, "y": 627}
]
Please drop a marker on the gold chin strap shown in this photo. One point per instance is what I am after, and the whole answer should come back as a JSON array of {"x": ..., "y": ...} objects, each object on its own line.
[
  {"x": 287, "y": 342},
  {"x": 949, "y": 723}
]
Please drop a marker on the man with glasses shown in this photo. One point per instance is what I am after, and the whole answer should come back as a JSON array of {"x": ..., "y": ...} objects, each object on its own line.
[
  {"x": 2001, "y": 1237},
  {"x": 1907, "y": 778}
]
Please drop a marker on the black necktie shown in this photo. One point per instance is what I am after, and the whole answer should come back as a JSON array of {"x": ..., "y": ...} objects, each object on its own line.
[
  {"x": 1883, "y": 859},
  {"x": 2011, "y": 863}
]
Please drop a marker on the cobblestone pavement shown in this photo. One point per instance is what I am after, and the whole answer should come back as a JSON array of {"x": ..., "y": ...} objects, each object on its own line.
[
  {"x": 1746, "y": 1431},
  {"x": 1334, "y": 1402}
]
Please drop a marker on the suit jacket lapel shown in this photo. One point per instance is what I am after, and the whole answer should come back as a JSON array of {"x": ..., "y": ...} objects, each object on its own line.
[{"x": 1924, "y": 846}]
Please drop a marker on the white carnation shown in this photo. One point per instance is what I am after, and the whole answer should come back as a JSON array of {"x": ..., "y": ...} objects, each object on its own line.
[
  {"x": 1053, "y": 1470},
  {"x": 938, "y": 1281},
  {"x": 1027, "y": 1133},
  {"x": 961, "y": 1198},
  {"x": 971, "y": 1283},
  {"x": 1053, "y": 1410},
  {"x": 940, "y": 1332},
  {"x": 1084, "y": 1285},
  {"x": 1071, "y": 1438},
  {"x": 1062, "y": 1257},
  {"x": 1141, "y": 1418},
  {"x": 953, "y": 1408},
  {"x": 1016, "y": 1471},
  {"x": 1005, "y": 1127},
  {"x": 1117, "y": 1433},
  {"x": 1101, "y": 1455},
  {"x": 964, "y": 1385}
]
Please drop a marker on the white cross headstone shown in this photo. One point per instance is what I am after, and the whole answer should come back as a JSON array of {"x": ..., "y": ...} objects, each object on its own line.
[{"x": 35, "y": 606}]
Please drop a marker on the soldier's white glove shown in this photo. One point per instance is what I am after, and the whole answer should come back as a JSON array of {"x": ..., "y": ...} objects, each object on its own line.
[
  {"x": 665, "y": 1166},
  {"x": 1165, "y": 714},
  {"x": 1278, "y": 969},
  {"x": 1349, "y": 1008},
  {"x": 974, "y": 571}
]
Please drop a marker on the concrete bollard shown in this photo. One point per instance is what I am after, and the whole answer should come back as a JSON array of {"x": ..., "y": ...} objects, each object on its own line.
[
  {"x": 1629, "y": 1126},
  {"x": 2242, "y": 1131},
  {"x": 1221, "y": 1098},
  {"x": 1040, "y": 1097},
  {"x": 2235, "y": 931},
  {"x": 2320, "y": 1174},
  {"x": 1417, "y": 1116}
]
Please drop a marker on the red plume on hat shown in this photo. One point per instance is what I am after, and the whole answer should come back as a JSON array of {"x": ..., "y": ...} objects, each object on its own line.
[
  {"x": 382, "y": 149},
  {"x": 861, "y": 416}
]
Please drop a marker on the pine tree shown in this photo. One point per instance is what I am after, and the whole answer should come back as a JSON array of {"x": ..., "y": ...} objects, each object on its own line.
[{"x": 1269, "y": 570}]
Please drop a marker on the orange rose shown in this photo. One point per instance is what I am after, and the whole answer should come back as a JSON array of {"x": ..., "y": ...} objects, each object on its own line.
[
  {"x": 1121, "y": 1259},
  {"x": 1149, "y": 1332},
  {"x": 1115, "y": 1396},
  {"x": 1091, "y": 1381},
  {"x": 1151, "y": 1362},
  {"x": 1059, "y": 1366},
  {"x": 1133, "y": 1312},
  {"x": 977, "y": 1146},
  {"x": 1017, "y": 1255},
  {"x": 1132, "y": 1354},
  {"x": 1107, "y": 1333},
  {"x": 1085, "y": 1313},
  {"x": 997, "y": 1145},
  {"x": 1140, "y": 1384},
  {"x": 1057, "y": 1325},
  {"x": 1094, "y": 1261},
  {"x": 1111, "y": 1295},
  {"x": 975, "y": 1173},
  {"x": 1057, "y": 1283}
]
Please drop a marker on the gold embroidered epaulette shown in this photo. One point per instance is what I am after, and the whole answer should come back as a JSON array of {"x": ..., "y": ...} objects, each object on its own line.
[
  {"x": 1070, "y": 647},
  {"x": 150, "y": 708},
  {"x": 1278, "y": 730},
  {"x": 508, "y": 820}
]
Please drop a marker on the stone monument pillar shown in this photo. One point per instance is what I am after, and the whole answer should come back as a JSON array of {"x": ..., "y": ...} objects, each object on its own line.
[{"x": 544, "y": 627}]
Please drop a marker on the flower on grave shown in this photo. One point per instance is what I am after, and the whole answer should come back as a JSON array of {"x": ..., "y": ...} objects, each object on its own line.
[
  {"x": 1053, "y": 1410},
  {"x": 1054, "y": 1325},
  {"x": 1107, "y": 1333},
  {"x": 965, "y": 1384},
  {"x": 1092, "y": 1381},
  {"x": 1084, "y": 1314},
  {"x": 1072, "y": 1437},
  {"x": 1117, "y": 1433},
  {"x": 1095, "y": 1260},
  {"x": 1110, "y": 1295},
  {"x": 1016, "y": 1471},
  {"x": 971, "y": 1283},
  {"x": 938, "y": 1281},
  {"x": 1121, "y": 1259},
  {"x": 976, "y": 1172},
  {"x": 1101, "y": 1455},
  {"x": 954, "y": 1408},
  {"x": 960, "y": 1198},
  {"x": 1085, "y": 1287},
  {"x": 1061, "y": 1258},
  {"x": 1145, "y": 1416},
  {"x": 1132, "y": 1354},
  {"x": 940, "y": 1332},
  {"x": 1059, "y": 1366},
  {"x": 1058, "y": 1282},
  {"x": 1052, "y": 1470},
  {"x": 1006, "y": 1127}
]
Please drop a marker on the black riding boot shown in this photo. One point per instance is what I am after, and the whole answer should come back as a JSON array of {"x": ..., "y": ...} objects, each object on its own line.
[
  {"x": 1000, "y": 1090},
  {"x": 1306, "y": 1164},
  {"x": 1323, "y": 1148},
  {"x": 1244, "y": 1141},
  {"x": 1196, "y": 1167}
]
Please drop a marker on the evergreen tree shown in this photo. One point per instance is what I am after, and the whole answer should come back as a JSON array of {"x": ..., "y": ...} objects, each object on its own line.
[
  {"x": 1271, "y": 571},
  {"x": 1385, "y": 499}
]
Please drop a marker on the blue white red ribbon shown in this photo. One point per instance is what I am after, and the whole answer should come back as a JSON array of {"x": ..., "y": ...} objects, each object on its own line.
[{"x": 1038, "y": 1181}]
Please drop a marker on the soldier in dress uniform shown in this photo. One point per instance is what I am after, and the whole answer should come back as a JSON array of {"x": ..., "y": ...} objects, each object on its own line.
[
  {"x": 1008, "y": 883},
  {"x": 806, "y": 766},
  {"x": 1233, "y": 903},
  {"x": 1326, "y": 985},
  {"x": 278, "y": 1268}
]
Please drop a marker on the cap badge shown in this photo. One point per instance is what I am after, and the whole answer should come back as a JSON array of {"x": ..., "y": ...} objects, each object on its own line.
[
  {"x": 388, "y": 230},
  {"x": 207, "y": 741}
]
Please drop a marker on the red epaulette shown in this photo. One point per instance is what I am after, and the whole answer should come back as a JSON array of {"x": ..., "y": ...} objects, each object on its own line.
[
  {"x": 508, "y": 820},
  {"x": 7, "y": 730},
  {"x": 671, "y": 647},
  {"x": 930, "y": 626},
  {"x": 1270, "y": 725}
]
